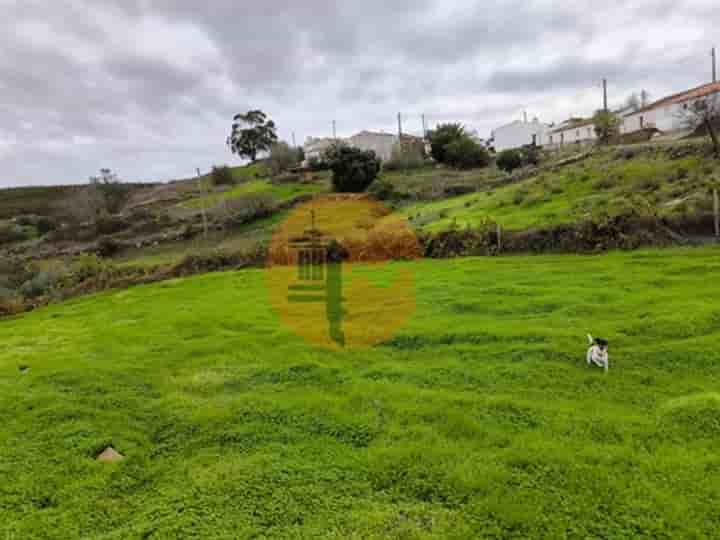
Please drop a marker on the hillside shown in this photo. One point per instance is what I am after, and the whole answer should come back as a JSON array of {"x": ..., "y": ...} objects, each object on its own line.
[
  {"x": 575, "y": 201},
  {"x": 665, "y": 180},
  {"x": 479, "y": 419}
]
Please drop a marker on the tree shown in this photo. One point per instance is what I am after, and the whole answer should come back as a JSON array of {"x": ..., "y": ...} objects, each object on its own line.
[
  {"x": 464, "y": 153},
  {"x": 84, "y": 205},
  {"x": 441, "y": 137},
  {"x": 633, "y": 102},
  {"x": 222, "y": 175},
  {"x": 252, "y": 133},
  {"x": 509, "y": 160},
  {"x": 283, "y": 157},
  {"x": 607, "y": 126},
  {"x": 114, "y": 193},
  {"x": 354, "y": 170},
  {"x": 704, "y": 114}
]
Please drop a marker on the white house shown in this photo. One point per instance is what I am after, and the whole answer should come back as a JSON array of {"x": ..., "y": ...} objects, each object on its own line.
[
  {"x": 519, "y": 133},
  {"x": 379, "y": 142},
  {"x": 668, "y": 113},
  {"x": 573, "y": 131},
  {"x": 315, "y": 147}
]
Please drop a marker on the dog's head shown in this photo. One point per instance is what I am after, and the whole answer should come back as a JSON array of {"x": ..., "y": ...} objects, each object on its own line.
[{"x": 602, "y": 343}]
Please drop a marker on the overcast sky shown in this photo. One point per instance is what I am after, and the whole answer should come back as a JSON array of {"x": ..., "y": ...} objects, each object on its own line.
[{"x": 149, "y": 87}]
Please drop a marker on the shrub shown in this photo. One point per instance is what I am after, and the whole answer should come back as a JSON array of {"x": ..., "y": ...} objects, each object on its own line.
[
  {"x": 519, "y": 196},
  {"x": 509, "y": 160},
  {"x": 464, "y": 153},
  {"x": 383, "y": 190},
  {"x": 90, "y": 266},
  {"x": 282, "y": 157},
  {"x": 248, "y": 208},
  {"x": 316, "y": 164},
  {"x": 111, "y": 224},
  {"x": 441, "y": 137},
  {"x": 46, "y": 224},
  {"x": 107, "y": 247},
  {"x": 10, "y": 234},
  {"x": 39, "y": 285},
  {"x": 354, "y": 170},
  {"x": 222, "y": 175}
]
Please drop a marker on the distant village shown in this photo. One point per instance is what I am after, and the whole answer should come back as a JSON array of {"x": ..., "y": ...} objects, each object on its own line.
[{"x": 661, "y": 118}]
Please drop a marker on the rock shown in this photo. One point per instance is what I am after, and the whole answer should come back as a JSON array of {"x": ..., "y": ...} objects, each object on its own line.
[{"x": 110, "y": 455}]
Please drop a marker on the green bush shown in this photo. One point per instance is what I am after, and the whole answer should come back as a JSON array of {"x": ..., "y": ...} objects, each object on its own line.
[
  {"x": 464, "y": 153},
  {"x": 354, "y": 170},
  {"x": 441, "y": 137},
  {"x": 509, "y": 160},
  {"x": 222, "y": 175},
  {"x": 316, "y": 164}
]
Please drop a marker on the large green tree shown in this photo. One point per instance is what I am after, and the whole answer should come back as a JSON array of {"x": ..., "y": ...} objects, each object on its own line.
[{"x": 252, "y": 133}]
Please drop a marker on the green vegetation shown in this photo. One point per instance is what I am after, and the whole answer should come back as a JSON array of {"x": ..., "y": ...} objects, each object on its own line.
[
  {"x": 353, "y": 169},
  {"x": 608, "y": 182},
  {"x": 280, "y": 192},
  {"x": 480, "y": 419}
]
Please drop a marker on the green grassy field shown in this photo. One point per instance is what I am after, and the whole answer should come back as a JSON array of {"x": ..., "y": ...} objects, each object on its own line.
[{"x": 479, "y": 419}]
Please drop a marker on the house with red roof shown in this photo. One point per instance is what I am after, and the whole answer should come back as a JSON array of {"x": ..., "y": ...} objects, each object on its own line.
[{"x": 669, "y": 113}]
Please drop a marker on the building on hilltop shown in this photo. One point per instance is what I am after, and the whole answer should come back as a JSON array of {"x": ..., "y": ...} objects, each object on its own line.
[
  {"x": 576, "y": 131},
  {"x": 378, "y": 141},
  {"x": 668, "y": 114},
  {"x": 518, "y": 134}
]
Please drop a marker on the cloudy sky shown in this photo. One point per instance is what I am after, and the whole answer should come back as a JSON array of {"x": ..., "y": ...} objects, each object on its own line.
[{"x": 149, "y": 87}]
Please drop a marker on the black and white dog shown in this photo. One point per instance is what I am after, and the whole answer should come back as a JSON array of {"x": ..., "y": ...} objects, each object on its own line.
[{"x": 598, "y": 353}]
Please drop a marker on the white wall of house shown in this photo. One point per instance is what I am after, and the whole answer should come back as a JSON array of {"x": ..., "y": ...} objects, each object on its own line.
[
  {"x": 570, "y": 135},
  {"x": 517, "y": 134},
  {"x": 380, "y": 143},
  {"x": 315, "y": 147},
  {"x": 670, "y": 117}
]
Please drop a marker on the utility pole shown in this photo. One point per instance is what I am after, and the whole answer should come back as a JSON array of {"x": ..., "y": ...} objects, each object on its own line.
[
  {"x": 714, "y": 65},
  {"x": 423, "y": 124},
  {"x": 201, "y": 183},
  {"x": 293, "y": 138},
  {"x": 605, "y": 108},
  {"x": 399, "y": 125},
  {"x": 334, "y": 132}
]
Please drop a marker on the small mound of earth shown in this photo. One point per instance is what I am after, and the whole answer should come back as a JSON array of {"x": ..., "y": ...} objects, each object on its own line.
[{"x": 110, "y": 455}]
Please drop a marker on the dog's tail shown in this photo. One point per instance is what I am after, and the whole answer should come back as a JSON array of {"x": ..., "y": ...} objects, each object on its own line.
[{"x": 590, "y": 339}]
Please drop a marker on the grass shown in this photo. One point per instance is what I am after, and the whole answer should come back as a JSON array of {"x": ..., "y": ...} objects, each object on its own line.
[
  {"x": 479, "y": 419},
  {"x": 279, "y": 192},
  {"x": 239, "y": 239},
  {"x": 601, "y": 183}
]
